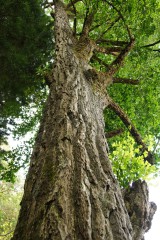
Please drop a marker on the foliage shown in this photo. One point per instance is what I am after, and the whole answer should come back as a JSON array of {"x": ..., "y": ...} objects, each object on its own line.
[
  {"x": 23, "y": 132},
  {"x": 128, "y": 165},
  {"x": 10, "y": 197},
  {"x": 26, "y": 44},
  {"x": 14, "y": 159}
]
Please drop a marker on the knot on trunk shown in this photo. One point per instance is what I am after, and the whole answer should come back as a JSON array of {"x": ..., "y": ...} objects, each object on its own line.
[
  {"x": 91, "y": 75},
  {"x": 140, "y": 210},
  {"x": 84, "y": 49}
]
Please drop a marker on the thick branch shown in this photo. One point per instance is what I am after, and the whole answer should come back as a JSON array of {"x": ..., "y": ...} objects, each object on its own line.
[
  {"x": 88, "y": 21},
  {"x": 131, "y": 128},
  {"x": 117, "y": 63},
  {"x": 114, "y": 133},
  {"x": 126, "y": 81}
]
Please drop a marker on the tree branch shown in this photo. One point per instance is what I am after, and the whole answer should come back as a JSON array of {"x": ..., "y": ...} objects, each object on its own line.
[
  {"x": 111, "y": 25},
  {"x": 108, "y": 50},
  {"x": 114, "y": 133},
  {"x": 88, "y": 21},
  {"x": 117, "y": 63},
  {"x": 94, "y": 27},
  {"x": 111, "y": 42},
  {"x": 75, "y": 18},
  {"x": 100, "y": 61},
  {"x": 131, "y": 128},
  {"x": 86, "y": 24},
  {"x": 126, "y": 81},
  {"x": 156, "y": 50},
  {"x": 152, "y": 44},
  {"x": 72, "y": 2}
]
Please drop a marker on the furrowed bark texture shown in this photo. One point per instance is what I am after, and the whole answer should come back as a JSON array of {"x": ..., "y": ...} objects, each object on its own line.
[
  {"x": 139, "y": 209},
  {"x": 70, "y": 191}
]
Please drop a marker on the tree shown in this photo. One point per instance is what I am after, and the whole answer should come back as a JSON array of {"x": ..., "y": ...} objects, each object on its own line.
[{"x": 70, "y": 191}]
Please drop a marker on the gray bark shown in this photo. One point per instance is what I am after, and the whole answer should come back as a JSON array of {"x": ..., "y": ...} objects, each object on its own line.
[
  {"x": 139, "y": 208},
  {"x": 70, "y": 191}
]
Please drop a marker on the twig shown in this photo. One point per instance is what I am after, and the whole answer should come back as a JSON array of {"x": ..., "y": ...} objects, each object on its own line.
[
  {"x": 4, "y": 235},
  {"x": 100, "y": 61},
  {"x": 112, "y": 24},
  {"x": 96, "y": 26},
  {"x": 121, "y": 16},
  {"x": 152, "y": 44}
]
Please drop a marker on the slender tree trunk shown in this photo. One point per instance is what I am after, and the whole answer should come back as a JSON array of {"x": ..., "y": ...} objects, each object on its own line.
[{"x": 70, "y": 191}]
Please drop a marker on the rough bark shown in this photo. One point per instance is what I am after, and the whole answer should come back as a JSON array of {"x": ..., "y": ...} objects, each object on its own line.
[
  {"x": 70, "y": 191},
  {"x": 140, "y": 212}
]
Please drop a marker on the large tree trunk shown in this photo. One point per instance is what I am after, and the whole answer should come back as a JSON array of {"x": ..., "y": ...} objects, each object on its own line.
[{"x": 70, "y": 191}]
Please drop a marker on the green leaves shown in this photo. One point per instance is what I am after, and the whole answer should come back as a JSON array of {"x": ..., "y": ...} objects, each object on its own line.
[
  {"x": 26, "y": 43},
  {"x": 10, "y": 196},
  {"x": 128, "y": 164}
]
